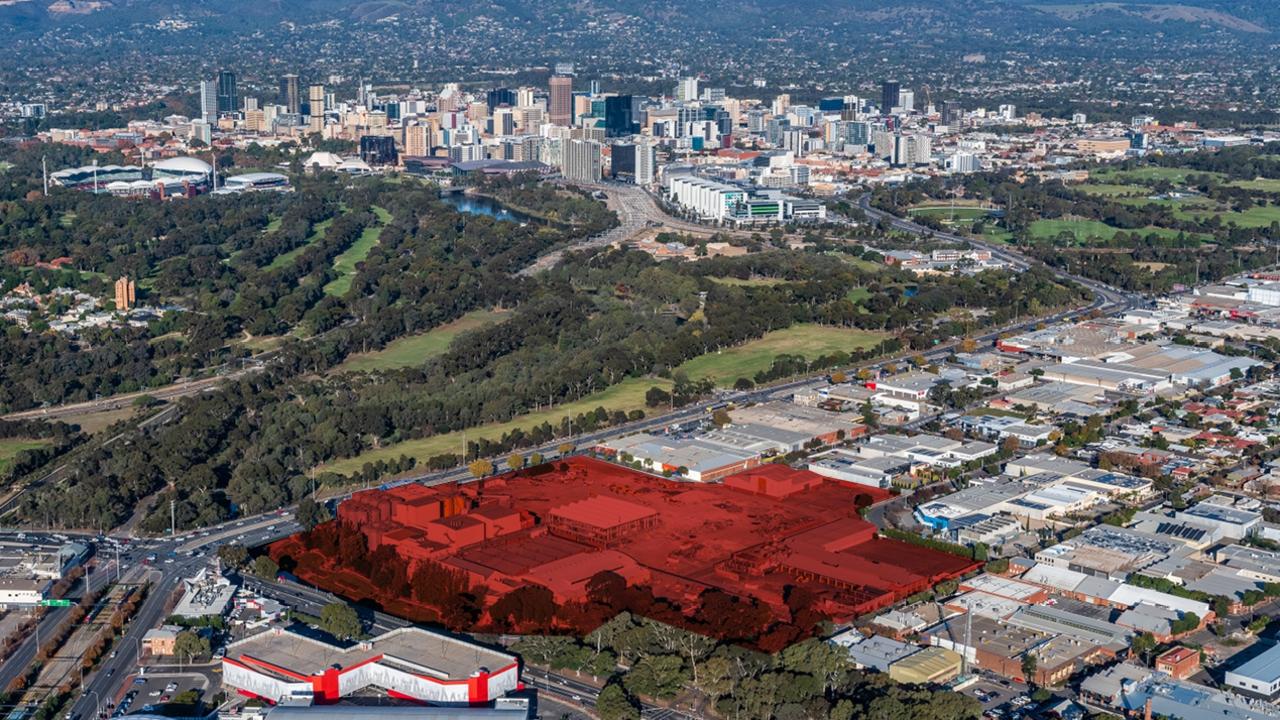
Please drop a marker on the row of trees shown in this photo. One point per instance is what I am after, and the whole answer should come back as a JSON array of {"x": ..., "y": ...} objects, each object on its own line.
[{"x": 809, "y": 679}]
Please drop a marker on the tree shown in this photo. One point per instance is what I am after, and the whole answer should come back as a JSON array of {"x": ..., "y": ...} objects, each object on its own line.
[
  {"x": 340, "y": 620},
  {"x": 515, "y": 461},
  {"x": 1142, "y": 644},
  {"x": 656, "y": 396},
  {"x": 565, "y": 448},
  {"x": 1029, "y": 664},
  {"x": 613, "y": 704},
  {"x": 312, "y": 513},
  {"x": 535, "y": 459},
  {"x": 190, "y": 645},
  {"x": 1009, "y": 446},
  {"x": 265, "y": 567},
  {"x": 233, "y": 555},
  {"x": 721, "y": 417},
  {"x": 480, "y": 468}
]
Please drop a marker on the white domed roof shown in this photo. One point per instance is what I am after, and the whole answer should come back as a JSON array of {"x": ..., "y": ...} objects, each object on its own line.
[{"x": 184, "y": 165}]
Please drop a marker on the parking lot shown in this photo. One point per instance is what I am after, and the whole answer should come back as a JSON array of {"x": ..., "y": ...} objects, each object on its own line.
[
  {"x": 157, "y": 689},
  {"x": 998, "y": 697}
]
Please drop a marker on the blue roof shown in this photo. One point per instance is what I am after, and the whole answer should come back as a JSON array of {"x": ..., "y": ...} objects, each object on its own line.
[{"x": 1264, "y": 667}]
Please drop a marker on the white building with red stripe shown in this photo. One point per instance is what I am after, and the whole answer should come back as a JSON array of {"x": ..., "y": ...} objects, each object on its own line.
[{"x": 281, "y": 666}]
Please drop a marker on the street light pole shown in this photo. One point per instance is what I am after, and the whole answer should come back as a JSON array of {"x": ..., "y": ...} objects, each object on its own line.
[{"x": 97, "y": 705}]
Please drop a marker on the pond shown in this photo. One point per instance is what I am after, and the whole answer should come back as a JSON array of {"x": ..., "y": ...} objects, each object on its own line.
[{"x": 483, "y": 206}]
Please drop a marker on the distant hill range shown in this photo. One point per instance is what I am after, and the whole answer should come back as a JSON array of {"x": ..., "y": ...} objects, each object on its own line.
[{"x": 1246, "y": 17}]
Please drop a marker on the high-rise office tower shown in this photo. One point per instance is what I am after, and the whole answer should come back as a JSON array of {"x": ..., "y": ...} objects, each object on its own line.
[
  {"x": 417, "y": 140},
  {"x": 500, "y": 96},
  {"x": 290, "y": 95},
  {"x": 907, "y": 100},
  {"x": 315, "y": 107},
  {"x": 315, "y": 100},
  {"x": 687, "y": 90},
  {"x": 622, "y": 160},
  {"x": 504, "y": 121},
  {"x": 228, "y": 99},
  {"x": 646, "y": 162},
  {"x": 582, "y": 161},
  {"x": 952, "y": 113},
  {"x": 561, "y": 105},
  {"x": 208, "y": 100},
  {"x": 620, "y": 115},
  {"x": 378, "y": 149},
  {"x": 889, "y": 90}
]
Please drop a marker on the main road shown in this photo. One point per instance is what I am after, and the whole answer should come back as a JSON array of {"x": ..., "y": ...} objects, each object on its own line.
[{"x": 1115, "y": 300}]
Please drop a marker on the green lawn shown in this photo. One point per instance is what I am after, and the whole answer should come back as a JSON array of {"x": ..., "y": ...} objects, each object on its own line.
[
  {"x": 359, "y": 250},
  {"x": 1150, "y": 174},
  {"x": 626, "y": 396},
  {"x": 416, "y": 349},
  {"x": 273, "y": 224},
  {"x": 946, "y": 212},
  {"x": 1255, "y": 217},
  {"x": 749, "y": 358},
  {"x": 1191, "y": 201},
  {"x": 317, "y": 233},
  {"x": 857, "y": 295},
  {"x": 1267, "y": 185},
  {"x": 749, "y": 281},
  {"x": 1113, "y": 190},
  {"x": 1087, "y": 229},
  {"x": 67, "y": 218},
  {"x": 10, "y": 447}
]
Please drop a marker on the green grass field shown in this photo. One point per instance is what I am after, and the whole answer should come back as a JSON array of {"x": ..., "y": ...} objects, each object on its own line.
[
  {"x": 749, "y": 358},
  {"x": 626, "y": 396},
  {"x": 857, "y": 295},
  {"x": 1191, "y": 201},
  {"x": 1267, "y": 185},
  {"x": 345, "y": 263},
  {"x": 755, "y": 281},
  {"x": 10, "y": 447},
  {"x": 317, "y": 233},
  {"x": 1149, "y": 174},
  {"x": 1255, "y": 217},
  {"x": 416, "y": 349},
  {"x": 946, "y": 212},
  {"x": 1084, "y": 230},
  {"x": 1113, "y": 190}
]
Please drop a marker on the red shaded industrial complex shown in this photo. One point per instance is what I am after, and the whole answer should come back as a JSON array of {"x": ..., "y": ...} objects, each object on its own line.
[{"x": 761, "y": 538}]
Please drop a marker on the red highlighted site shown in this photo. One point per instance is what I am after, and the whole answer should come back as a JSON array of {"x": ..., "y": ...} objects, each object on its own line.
[{"x": 760, "y": 559}]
